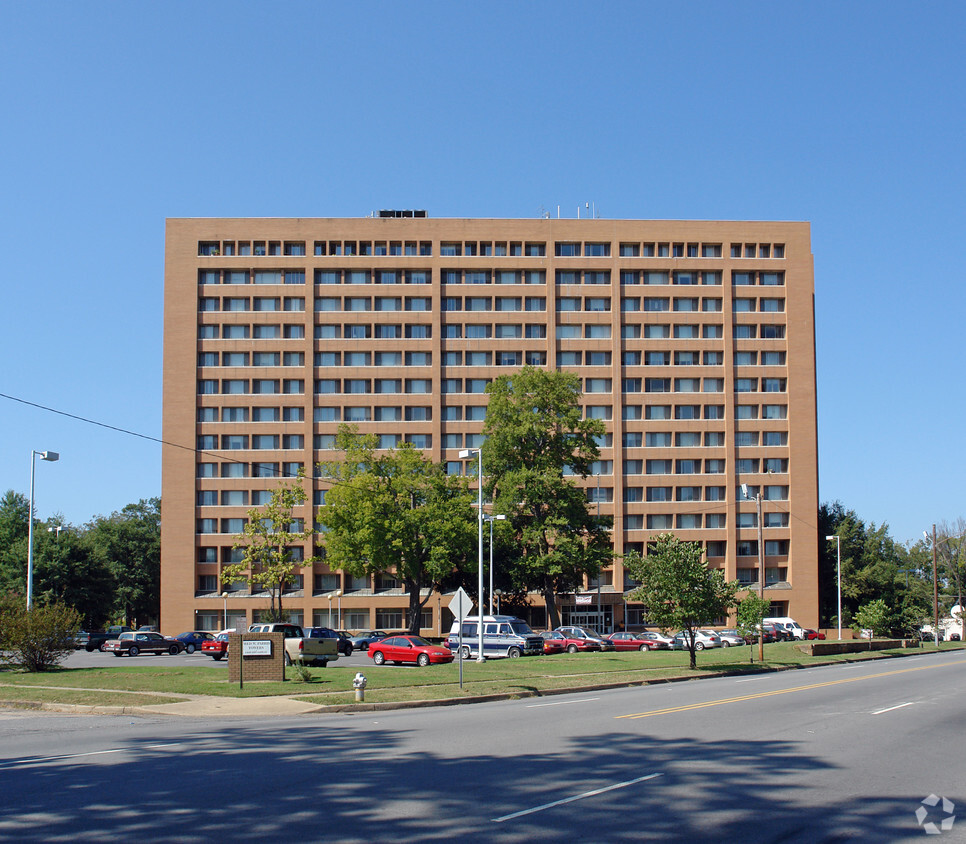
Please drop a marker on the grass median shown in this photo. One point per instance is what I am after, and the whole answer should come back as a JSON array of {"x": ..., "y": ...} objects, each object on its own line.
[{"x": 132, "y": 686}]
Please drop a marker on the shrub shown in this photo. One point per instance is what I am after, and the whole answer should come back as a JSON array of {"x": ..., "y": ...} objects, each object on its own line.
[
  {"x": 302, "y": 673},
  {"x": 38, "y": 638}
]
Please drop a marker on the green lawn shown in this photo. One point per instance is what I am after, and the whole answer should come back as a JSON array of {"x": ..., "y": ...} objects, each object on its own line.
[{"x": 114, "y": 685}]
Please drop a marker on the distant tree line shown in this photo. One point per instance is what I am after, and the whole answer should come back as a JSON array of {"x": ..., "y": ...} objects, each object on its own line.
[{"x": 108, "y": 570}]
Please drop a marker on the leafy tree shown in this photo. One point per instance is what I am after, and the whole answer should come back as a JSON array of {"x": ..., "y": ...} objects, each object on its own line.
[
  {"x": 752, "y": 611},
  {"x": 65, "y": 571},
  {"x": 873, "y": 616},
  {"x": 14, "y": 508},
  {"x": 269, "y": 536},
  {"x": 128, "y": 543},
  {"x": 395, "y": 511},
  {"x": 534, "y": 431},
  {"x": 38, "y": 638},
  {"x": 678, "y": 589}
]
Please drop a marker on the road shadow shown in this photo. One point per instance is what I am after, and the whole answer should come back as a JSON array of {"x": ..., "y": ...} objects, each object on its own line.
[{"x": 350, "y": 779}]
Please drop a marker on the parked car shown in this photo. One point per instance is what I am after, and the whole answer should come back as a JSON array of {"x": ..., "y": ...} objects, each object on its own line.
[
  {"x": 81, "y": 639},
  {"x": 299, "y": 648},
  {"x": 663, "y": 642},
  {"x": 730, "y": 637},
  {"x": 134, "y": 643},
  {"x": 770, "y": 633},
  {"x": 579, "y": 641},
  {"x": 193, "y": 640},
  {"x": 364, "y": 638},
  {"x": 97, "y": 639},
  {"x": 783, "y": 632},
  {"x": 813, "y": 634},
  {"x": 415, "y": 649},
  {"x": 789, "y": 625},
  {"x": 342, "y": 642},
  {"x": 345, "y": 647},
  {"x": 217, "y": 646},
  {"x": 631, "y": 642},
  {"x": 702, "y": 639},
  {"x": 553, "y": 642}
]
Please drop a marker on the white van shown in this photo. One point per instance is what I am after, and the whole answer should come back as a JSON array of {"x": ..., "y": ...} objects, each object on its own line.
[
  {"x": 790, "y": 624},
  {"x": 503, "y": 635}
]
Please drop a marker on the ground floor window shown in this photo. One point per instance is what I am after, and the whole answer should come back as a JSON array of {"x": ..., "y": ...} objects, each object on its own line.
[
  {"x": 207, "y": 620},
  {"x": 389, "y": 619},
  {"x": 356, "y": 619}
]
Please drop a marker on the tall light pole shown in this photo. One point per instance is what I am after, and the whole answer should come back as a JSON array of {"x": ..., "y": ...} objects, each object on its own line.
[
  {"x": 492, "y": 519},
  {"x": 225, "y": 596},
  {"x": 52, "y": 457},
  {"x": 761, "y": 566},
  {"x": 466, "y": 452},
  {"x": 935, "y": 586},
  {"x": 838, "y": 550},
  {"x": 338, "y": 618}
]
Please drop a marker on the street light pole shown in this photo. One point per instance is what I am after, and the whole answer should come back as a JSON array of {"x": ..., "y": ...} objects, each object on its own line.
[
  {"x": 761, "y": 566},
  {"x": 50, "y": 456},
  {"x": 338, "y": 618},
  {"x": 225, "y": 596},
  {"x": 492, "y": 519},
  {"x": 479, "y": 522},
  {"x": 838, "y": 549},
  {"x": 935, "y": 587}
]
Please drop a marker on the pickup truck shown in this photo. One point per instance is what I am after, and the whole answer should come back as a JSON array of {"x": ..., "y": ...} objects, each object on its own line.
[
  {"x": 96, "y": 640},
  {"x": 299, "y": 647}
]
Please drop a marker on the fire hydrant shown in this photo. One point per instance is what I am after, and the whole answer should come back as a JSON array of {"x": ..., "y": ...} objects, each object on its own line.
[{"x": 359, "y": 684}]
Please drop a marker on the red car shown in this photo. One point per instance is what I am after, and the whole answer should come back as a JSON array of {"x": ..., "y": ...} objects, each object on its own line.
[
  {"x": 631, "y": 642},
  {"x": 217, "y": 647},
  {"x": 553, "y": 642},
  {"x": 814, "y": 634},
  {"x": 399, "y": 649},
  {"x": 574, "y": 643}
]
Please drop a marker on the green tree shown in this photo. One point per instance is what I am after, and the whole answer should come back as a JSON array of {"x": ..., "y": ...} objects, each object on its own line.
[
  {"x": 752, "y": 611},
  {"x": 678, "y": 589},
  {"x": 534, "y": 431},
  {"x": 395, "y": 511},
  {"x": 38, "y": 638},
  {"x": 873, "y": 616},
  {"x": 14, "y": 508},
  {"x": 128, "y": 543},
  {"x": 65, "y": 571},
  {"x": 269, "y": 539}
]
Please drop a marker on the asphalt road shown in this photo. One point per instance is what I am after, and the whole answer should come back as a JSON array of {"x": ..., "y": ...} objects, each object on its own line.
[{"x": 819, "y": 755}]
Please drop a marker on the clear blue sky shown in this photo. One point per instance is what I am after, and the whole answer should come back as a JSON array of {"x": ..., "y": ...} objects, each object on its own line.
[{"x": 117, "y": 115}]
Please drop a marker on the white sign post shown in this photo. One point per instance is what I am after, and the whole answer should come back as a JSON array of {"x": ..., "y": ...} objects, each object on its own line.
[{"x": 460, "y": 607}]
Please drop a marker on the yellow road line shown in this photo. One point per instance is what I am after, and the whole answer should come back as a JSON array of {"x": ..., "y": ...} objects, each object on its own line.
[{"x": 706, "y": 704}]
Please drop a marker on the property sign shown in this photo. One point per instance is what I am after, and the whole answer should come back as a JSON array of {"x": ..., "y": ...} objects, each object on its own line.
[
  {"x": 256, "y": 647},
  {"x": 584, "y": 599}
]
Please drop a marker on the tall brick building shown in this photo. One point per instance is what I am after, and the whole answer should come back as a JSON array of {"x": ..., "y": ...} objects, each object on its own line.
[{"x": 694, "y": 340}]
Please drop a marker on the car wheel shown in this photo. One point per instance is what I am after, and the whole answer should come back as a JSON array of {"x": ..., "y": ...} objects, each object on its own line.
[
  {"x": 287, "y": 660},
  {"x": 174, "y": 650},
  {"x": 571, "y": 649},
  {"x": 133, "y": 651},
  {"x": 348, "y": 649},
  {"x": 89, "y": 648},
  {"x": 190, "y": 648},
  {"x": 699, "y": 646},
  {"x": 378, "y": 658},
  {"x": 423, "y": 660},
  {"x": 101, "y": 648},
  {"x": 324, "y": 662},
  {"x": 643, "y": 648},
  {"x": 217, "y": 657},
  {"x": 725, "y": 644},
  {"x": 513, "y": 653},
  {"x": 465, "y": 652}
]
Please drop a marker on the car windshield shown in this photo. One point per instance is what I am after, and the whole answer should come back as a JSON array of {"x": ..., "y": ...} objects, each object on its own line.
[
  {"x": 521, "y": 628},
  {"x": 419, "y": 641}
]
